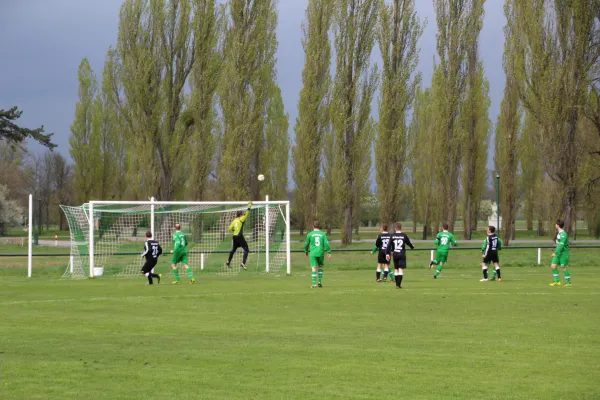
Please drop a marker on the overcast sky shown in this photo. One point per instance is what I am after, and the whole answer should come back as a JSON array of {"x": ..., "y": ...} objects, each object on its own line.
[{"x": 43, "y": 42}]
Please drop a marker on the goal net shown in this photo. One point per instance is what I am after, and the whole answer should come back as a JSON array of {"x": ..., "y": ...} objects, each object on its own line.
[{"x": 116, "y": 230}]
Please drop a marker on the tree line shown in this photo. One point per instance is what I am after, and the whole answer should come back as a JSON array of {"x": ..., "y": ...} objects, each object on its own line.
[{"x": 187, "y": 107}]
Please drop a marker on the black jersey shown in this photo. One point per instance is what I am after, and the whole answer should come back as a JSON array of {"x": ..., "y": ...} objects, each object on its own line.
[
  {"x": 383, "y": 241},
  {"x": 492, "y": 244},
  {"x": 151, "y": 250},
  {"x": 398, "y": 243}
]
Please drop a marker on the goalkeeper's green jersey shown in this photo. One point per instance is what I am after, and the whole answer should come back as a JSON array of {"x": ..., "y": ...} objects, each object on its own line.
[
  {"x": 316, "y": 244},
  {"x": 443, "y": 241},
  {"x": 179, "y": 241},
  {"x": 562, "y": 243}
]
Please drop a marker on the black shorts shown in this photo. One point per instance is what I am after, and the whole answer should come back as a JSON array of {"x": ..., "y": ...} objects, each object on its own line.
[
  {"x": 491, "y": 257},
  {"x": 239, "y": 241},
  {"x": 148, "y": 265},
  {"x": 399, "y": 261},
  {"x": 381, "y": 258}
]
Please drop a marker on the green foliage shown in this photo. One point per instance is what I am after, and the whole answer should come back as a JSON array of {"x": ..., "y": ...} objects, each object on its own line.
[
  {"x": 16, "y": 134},
  {"x": 275, "y": 153},
  {"x": 399, "y": 30},
  {"x": 353, "y": 90},
  {"x": 313, "y": 122}
]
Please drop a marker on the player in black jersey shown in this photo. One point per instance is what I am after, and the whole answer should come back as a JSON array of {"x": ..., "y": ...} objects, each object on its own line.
[
  {"x": 381, "y": 245},
  {"x": 151, "y": 251},
  {"x": 397, "y": 251},
  {"x": 489, "y": 252}
]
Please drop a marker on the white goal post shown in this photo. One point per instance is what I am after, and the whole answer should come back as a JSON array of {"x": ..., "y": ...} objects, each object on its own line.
[{"x": 107, "y": 236}]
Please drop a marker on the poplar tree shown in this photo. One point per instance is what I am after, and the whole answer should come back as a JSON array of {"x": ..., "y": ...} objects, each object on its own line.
[
  {"x": 559, "y": 53},
  {"x": 399, "y": 30},
  {"x": 313, "y": 108},
  {"x": 530, "y": 167},
  {"x": 85, "y": 136},
  {"x": 448, "y": 92},
  {"x": 475, "y": 123},
  {"x": 276, "y": 151},
  {"x": 354, "y": 85},
  {"x": 247, "y": 75}
]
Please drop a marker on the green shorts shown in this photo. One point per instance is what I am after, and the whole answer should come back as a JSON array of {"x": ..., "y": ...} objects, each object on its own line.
[
  {"x": 562, "y": 260},
  {"x": 179, "y": 257},
  {"x": 441, "y": 257},
  {"x": 317, "y": 261}
]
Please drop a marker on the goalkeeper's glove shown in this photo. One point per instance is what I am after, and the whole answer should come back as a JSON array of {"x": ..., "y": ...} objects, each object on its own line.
[{"x": 249, "y": 205}]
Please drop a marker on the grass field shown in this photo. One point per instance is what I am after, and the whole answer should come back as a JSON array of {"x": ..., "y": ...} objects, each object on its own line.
[{"x": 258, "y": 336}]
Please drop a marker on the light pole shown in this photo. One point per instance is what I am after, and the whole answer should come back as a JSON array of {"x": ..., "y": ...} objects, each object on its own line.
[{"x": 498, "y": 202}]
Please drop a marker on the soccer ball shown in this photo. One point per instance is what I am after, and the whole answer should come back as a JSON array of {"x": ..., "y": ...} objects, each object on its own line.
[{"x": 261, "y": 177}]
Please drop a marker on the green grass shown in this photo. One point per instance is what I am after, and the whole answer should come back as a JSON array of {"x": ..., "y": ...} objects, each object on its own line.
[{"x": 272, "y": 337}]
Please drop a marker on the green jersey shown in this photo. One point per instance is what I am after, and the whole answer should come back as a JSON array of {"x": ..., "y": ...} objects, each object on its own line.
[
  {"x": 317, "y": 244},
  {"x": 562, "y": 243},
  {"x": 443, "y": 241},
  {"x": 179, "y": 241},
  {"x": 237, "y": 226}
]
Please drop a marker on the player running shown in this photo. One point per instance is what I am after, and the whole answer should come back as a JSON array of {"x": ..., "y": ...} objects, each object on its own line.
[
  {"x": 443, "y": 241},
  {"x": 561, "y": 255},
  {"x": 316, "y": 245},
  {"x": 381, "y": 245},
  {"x": 152, "y": 251},
  {"x": 489, "y": 251},
  {"x": 180, "y": 255},
  {"x": 237, "y": 228},
  {"x": 397, "y": 248}
]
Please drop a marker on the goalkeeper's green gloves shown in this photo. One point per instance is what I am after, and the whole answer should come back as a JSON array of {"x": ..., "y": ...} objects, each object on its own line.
[{"x": 249, "y": 205}]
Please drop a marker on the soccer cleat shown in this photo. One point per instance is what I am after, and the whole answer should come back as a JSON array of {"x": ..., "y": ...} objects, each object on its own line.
[
  {"x": 320, "y": 285},
  {"x": 483, "y": 280},
  {"x": 494, "y": 278},
  {"x": 499, "y": 279},
  {"x": 193, "y": 280},
  {"x": 398, "y": 287},
  {"x": 313, "y": 286},
  {"x": 568, "y": 284},
  {"x": 435, "y": 277},
  {"x": 430, "y": 264},
  {"x": 378, "y": 280},
  {"x": 228, "y": 265},
  {"x": 555, "y": 284},
  {"x": 158, "y": 279},
  {"x": 384, "y": 280},
  {"x": 243, "y": 266},
  {"x": 176, "y": 283}
]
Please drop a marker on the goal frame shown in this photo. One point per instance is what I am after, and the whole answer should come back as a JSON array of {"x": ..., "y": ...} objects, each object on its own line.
[{"x": 153, "y": 203}]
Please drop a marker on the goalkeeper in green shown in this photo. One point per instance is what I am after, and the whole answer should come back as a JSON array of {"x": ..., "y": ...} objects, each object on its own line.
[
  {"x": 180, "y": 254},
  {"x": 443, "y": 241},
  {"x": 237, "y": 229},
  {"x": 316, "y": 245},
  {"x": 561, "y": 255}
]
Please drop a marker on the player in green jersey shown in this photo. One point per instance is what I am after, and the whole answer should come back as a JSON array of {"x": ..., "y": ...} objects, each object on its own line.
[
  {"x": 237, "y": 229},
  {"x": 443, "y": 241},
  {"x": 180, "y": 254},
  {"x": 316, "y": 245},
  {"x": 561, "y": 255}
]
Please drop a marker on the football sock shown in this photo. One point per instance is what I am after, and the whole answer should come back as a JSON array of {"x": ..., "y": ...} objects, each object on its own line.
[
  {"x": 438, "y": 270},
  {"x": 555, "y": 275},
  {"x": 493, "y": 274},
  {"x": 320, "y": 275},
  {"x": 434, "y": 262},
  {"x": 314, "y": 278},
  {"x": 567, "y": 276},
  {"x": 392, "y": 276},
  {"x": 176, "y": 273},
  {"x": 231, "y": 253},
  {"x": 399, "y": 279},
  {"x": 385, "y": 273},
  {"x": 149, "y": 276},
  {"x": 497, "y": 272},
  {"x": 485, "y": 273},
  {"x": 189, "y": 272},
  {"x": 245, "y": 258},
  {"x": 378, "y": 274}
]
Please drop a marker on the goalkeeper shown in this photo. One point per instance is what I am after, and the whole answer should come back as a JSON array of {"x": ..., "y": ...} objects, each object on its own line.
[{"x": 237, "y": 229}]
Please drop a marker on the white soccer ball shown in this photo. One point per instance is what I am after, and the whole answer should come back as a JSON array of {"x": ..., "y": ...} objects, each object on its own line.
[{"x": 261, "y": 177}]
